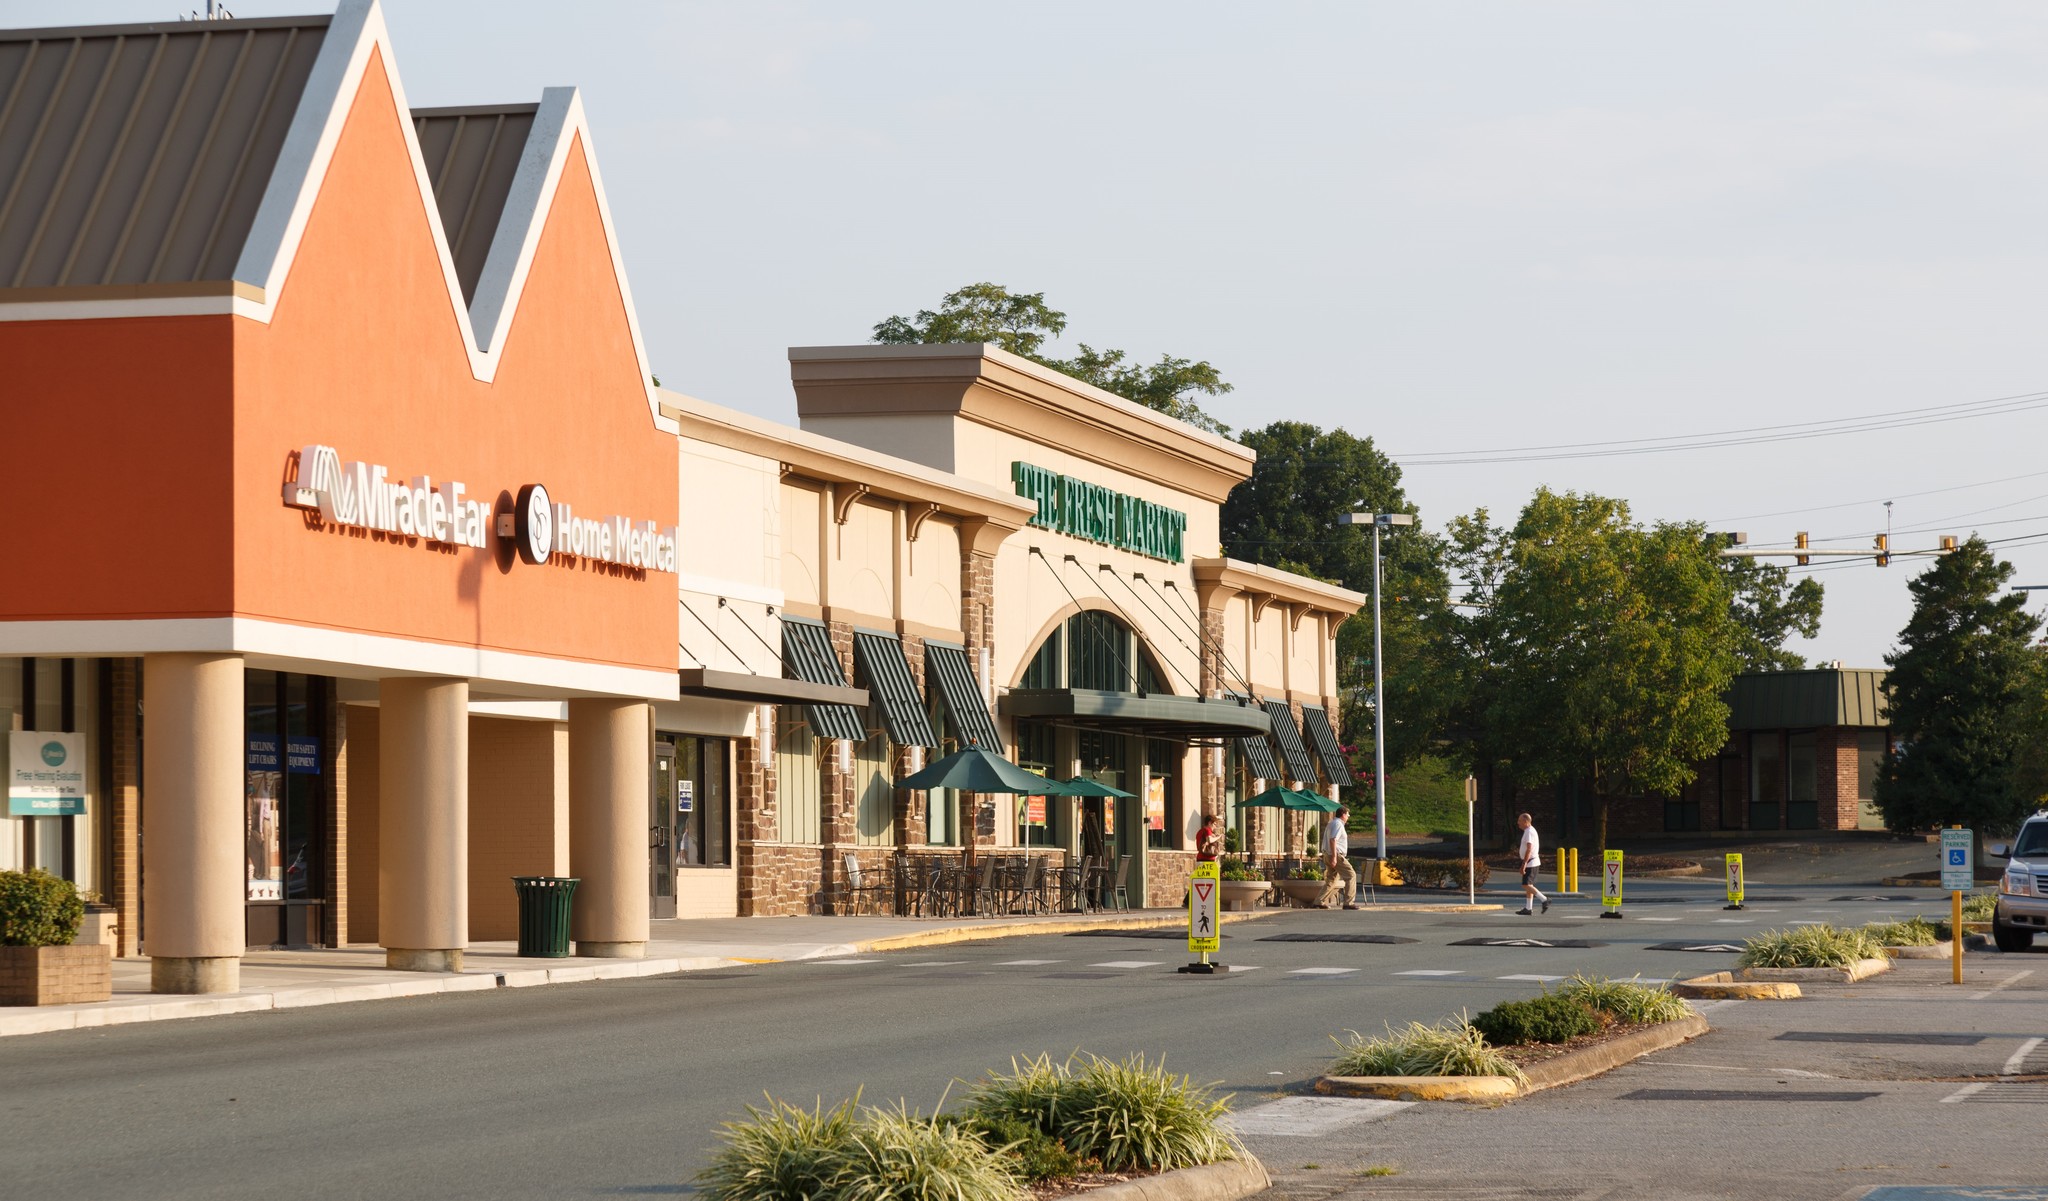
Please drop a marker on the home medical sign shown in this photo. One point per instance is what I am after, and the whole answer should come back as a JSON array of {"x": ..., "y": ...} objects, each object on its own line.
[
  {"x": 366, "y": 496},
  {"x": 45, "y": 774}
]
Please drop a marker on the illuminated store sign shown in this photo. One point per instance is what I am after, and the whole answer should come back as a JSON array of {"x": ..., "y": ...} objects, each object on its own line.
[
  {"x": 1084, "y": 510},
  {"x": 365, "y": 496}
]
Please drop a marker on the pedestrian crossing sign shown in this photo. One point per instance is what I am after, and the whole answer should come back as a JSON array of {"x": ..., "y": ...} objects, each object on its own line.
[
  {"x": 1203, "y": 936},
  {"x": 1610, "y": 880}
]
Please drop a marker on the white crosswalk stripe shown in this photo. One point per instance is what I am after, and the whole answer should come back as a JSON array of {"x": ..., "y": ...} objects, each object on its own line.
[
  {"x": 1539, "y": 979},
  {"x": 1127, "y": 964},
  {"x": 1322, "y": 971},
  {"x": 1307, "y": 1117},
  {"x": 845, "y": 961},
  {"x": 1028, "y": 962},
  {"x": 1429, "y": 971}
]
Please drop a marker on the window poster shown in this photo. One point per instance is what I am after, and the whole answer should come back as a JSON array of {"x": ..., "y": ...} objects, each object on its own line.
[
  {"x": 1155, "y": 803},
  {"x": 263, "y": 848}
]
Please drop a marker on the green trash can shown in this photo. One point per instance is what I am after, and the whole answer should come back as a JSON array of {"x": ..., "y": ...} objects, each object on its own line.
[{"x": 544, "y": 915}]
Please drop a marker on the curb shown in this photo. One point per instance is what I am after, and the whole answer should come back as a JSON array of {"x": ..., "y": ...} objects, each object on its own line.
[
  {"x": 1671, "y": 872},
  {"x": 1932, "y": 885},
  {"x": 948, "y": 935},
  {"x": 1723, "y": 986},
  {"x": 1568, "y": 1068},
  {"x": 1939, "y": 950},
  {"x": 1226, "y": 1181},
  {"x": 1862, "y": 969}
]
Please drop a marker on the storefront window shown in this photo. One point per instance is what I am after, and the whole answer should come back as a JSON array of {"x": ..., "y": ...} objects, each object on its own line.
[
  {"x": 1766, "y": 780},
  {"x": 702, "y": 837},
  {"x": 1103, "y": 758},
  {"x": 798, "y": 796},
  {"x": 1035, "y": 821},
  {"x": 1095, "y": 650},
  {"x": 874, "y": 792},
  {"x": 1869, "y": 763},
  {"x": 42, "y": 695},
  {"x": 284, "y": 787},
  {"x": 1802, "y": 756},
  {"x": 941, "y": 805},
  {"x": 1162, "y": 799}
]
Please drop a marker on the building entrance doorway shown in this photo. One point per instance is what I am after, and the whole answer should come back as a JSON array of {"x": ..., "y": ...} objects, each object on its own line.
[{"x": 661, "y": 819}]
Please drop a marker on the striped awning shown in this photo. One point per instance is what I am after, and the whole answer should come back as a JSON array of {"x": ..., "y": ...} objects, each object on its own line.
[
  {"x": 1258, "y": 756},
  {"x": 945, "y": 666},
  {"x": 1287, "y": 736},
  {"x": 879, "y": 666},
  {"x": 807, "y": 654},
  {"x": 1316, "y": 720}
]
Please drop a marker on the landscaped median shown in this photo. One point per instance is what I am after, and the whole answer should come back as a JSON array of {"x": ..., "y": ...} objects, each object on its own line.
[
  {"x": 1814, "y": 955},
  {"x": 1122, "y": 1129},
  {"x": 1586, "y": 1027}
]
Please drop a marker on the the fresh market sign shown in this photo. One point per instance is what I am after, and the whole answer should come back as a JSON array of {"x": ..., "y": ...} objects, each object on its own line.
[
  {"x": 45, "y": 774},
  {"x": 365, "y": 496},
  {"x": 1084, "y": 510}
]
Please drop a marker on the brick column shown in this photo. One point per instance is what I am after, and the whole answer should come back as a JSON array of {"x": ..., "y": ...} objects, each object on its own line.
[
  {"x": 124, "y": 805},
  {"x": 977, "y": 622},
  {"x": 908, "y": 814},
  {"x": 754, "y": 817}
]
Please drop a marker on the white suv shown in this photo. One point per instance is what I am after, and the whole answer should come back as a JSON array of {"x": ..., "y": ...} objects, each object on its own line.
[{"x": 2023, "y": 892}]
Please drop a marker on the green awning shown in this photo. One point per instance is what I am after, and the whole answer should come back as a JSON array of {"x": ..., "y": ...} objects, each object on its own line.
[
  {"x": 879, "y": 666},
  {"x": 1793, "y": 700},
  {"x": 1143, "y": 715},
  {"x": 1316, "y": 720},
  {"x": 1288, "y": 736},
  {"x": 945, "y": 666},
  {"x": 807, "y": 654}
]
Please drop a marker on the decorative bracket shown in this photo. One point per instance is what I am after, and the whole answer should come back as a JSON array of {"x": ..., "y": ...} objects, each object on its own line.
[
  {"x": 916, "y": 516},
  {"x": 843, "y": 497}
]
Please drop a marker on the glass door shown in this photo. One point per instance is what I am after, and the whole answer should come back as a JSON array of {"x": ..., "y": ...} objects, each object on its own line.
[{"x": 661, "y": 820}]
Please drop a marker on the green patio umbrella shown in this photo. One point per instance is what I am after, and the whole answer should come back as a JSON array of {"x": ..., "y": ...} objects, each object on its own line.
[
  {"x": 977, "y": 770},
  {"x": 1288, "y": 798},
  {"x": 1083, "y": 786}
]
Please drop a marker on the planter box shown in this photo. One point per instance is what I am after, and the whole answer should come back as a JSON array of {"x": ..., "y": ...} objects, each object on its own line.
[
  {"x": 1939, "y": 950},
  {"x": 97, "y": 927},
  {"x": 1301, "y": 892},
  {"x": 56, "y": 975},
  {"x": 1861, "y": 969},
  {"x": 1568, "y": 1068},
  {"x": 1242, "y": 894}
]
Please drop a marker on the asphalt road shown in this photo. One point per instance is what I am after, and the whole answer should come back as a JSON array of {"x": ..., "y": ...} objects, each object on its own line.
[{"x": 616, "y": 1088}]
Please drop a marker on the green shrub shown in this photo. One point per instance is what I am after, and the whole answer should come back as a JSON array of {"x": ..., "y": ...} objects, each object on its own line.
[
  {"x": 1810, "y": 946},
  {"x": 1233, "y": 867},
  {"x": 1913, "y": 932},
  {"x": 1626, "y": 1000},
  {"x": 1978, "y": 906},
  {"x": 1423, "y": 871},
  {"x": 1128, "y": 1115},
  {"x": 1311, "y": 869},
  {"x": 896, "y": 1155},
  {"x": 1452, "y": 1047},
  {"x": 38, "y": 909},
  {"x": 1035, "y": 1155},
  {"x": 1550, "y": 1018},
  {"x": 781, "y": 1153}
]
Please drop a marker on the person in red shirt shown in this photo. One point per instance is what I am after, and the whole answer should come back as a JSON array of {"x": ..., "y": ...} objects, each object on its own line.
[{"x": 1208, "y": 840}]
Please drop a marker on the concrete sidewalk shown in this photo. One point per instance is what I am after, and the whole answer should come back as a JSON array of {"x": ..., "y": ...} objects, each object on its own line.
[{"x": 296, "y": 979}]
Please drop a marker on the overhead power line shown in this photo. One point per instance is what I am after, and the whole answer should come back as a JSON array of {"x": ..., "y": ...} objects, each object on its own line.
[{"x": 1797, "y": 431}]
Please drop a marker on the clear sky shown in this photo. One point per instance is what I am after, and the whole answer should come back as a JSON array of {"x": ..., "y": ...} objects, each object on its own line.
[{"x": 1447, "y": 226}]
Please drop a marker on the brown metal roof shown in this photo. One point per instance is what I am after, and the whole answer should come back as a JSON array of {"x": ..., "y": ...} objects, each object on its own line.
[
  {"x": 138, "y": 154},
  {"x": 1790, "y": 700},
  {"x": 472, "y": 153}
]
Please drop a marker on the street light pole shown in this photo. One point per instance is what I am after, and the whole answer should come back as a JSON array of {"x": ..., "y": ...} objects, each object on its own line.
[{"x": 1378, "y": 521}]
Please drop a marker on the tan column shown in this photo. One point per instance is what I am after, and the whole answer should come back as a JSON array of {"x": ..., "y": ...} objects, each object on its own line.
[
  {"x": 423, "y": 823},
  {"x": 609, "y": 751},
  {"x": 192, "y": 796}
]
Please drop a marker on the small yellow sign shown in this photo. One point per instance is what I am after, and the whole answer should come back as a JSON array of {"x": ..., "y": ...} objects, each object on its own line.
[
  {"x": 1203, "y": 935},
  {"x": 1610, "y": 880},
  {"x": 1734, "y": 879}
]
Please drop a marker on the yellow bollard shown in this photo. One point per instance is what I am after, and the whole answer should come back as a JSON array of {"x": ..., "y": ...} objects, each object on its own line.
[
  {"x": 1563, "y": 874},
  {"x": 1575, "y": 869}
]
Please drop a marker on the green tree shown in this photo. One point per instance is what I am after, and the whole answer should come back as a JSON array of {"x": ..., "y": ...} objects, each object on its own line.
[
  {"x": 1286, "y": 516},
  {"x": 1022, "y": 323},
  {"x": 1963, "y": 685},
  {"x": 1611, "y": 644},
  {"x": 1768, "y": 609}
]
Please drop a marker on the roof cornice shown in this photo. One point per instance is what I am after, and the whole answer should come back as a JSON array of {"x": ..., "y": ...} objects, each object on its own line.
[{"x": 1220, "y": 579}]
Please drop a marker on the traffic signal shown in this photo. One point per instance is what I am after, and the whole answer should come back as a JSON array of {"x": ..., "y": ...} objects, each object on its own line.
[
  {"x": 1799, "y": 540},
  {"x": 1884, "y": 558}
]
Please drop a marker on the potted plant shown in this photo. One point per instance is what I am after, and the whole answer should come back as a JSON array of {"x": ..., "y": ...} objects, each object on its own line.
[
  {"x": 1305, "y": 886},
  {"x": 39, "y": 963},
  {"x": 1241, "y": 884}
]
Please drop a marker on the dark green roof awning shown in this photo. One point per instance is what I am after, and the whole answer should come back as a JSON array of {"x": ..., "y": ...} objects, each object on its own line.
[
  {"x": 1146, "y": 715},
  {"x": 807, "y": 654},
  {"x": 1791, "y": 700},
  {"x": 1316, "y": 720},
  {"x": 879, "y": 666},
  {"x": 1288, "y": 736},
  {"x": 946, "y": 666}
]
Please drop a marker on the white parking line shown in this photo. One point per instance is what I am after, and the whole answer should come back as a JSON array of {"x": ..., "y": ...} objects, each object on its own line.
[
  {"x": 934, "y": 963},
  {"x": 2008, "y": 982},
  {"x": 1322, "y": 971},
  {"x": 1028, "y": 962},
  {"x": 2012, "y": 1066},
  {"x": 1965, "y": 1091},
  {"x": 1430, "y": 971},
  {"x": 1540, "y": 979},
  {"x": 1128, "y": 964},
  {"x": 839, "y": 961},
  {"x": 1659, "y": 919},
  {"x": 1306, "y": 1117}
]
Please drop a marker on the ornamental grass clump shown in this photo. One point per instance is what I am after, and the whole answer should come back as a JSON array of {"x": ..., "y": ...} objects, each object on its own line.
[
  {"x": 1127, "y": 1115},
  {"x": 1810, "y": 946},
  {"x": 1626, "y": 1000},
  {"x": 781, "y": 1153},
  {"x": 1451, "y": 1047},
  {"x": 1913, "y": 932},
  {"x": 896, "y": 1155}
]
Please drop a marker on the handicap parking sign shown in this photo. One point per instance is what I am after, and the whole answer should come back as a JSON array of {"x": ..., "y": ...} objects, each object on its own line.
[
  {"x": 1957, "y": 857},
  {"x": 1955, "y": 861}
]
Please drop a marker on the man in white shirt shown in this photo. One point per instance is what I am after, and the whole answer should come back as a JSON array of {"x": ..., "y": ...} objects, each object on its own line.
[
  {"x": 1339, "y": 877},
  {"x": 1531, "y": 852}
]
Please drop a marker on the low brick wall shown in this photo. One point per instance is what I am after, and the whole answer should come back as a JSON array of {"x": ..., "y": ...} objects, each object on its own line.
[{"x": 56, "y": 975}]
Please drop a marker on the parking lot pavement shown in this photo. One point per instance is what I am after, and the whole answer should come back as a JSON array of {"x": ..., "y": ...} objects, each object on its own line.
[{"x": 1904, "y": 1081}]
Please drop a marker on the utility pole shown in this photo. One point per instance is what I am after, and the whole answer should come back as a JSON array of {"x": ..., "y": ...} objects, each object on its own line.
[{"x": 1378, "y": 521}]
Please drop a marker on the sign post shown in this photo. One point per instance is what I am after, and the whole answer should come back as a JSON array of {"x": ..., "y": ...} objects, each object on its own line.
[
  {"x": 1471, "y": 859},
  {"x": 1203, "y": 935},
  {"x": 1610, "y": 885},
  {"x": 1958, "y": 876},
  {"x": 1734, "y": 882}
]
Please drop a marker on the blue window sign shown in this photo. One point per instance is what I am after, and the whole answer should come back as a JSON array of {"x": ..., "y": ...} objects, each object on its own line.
[
  {"x": 263, "y": 752},
  {"x": 302, "y": 755}
]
